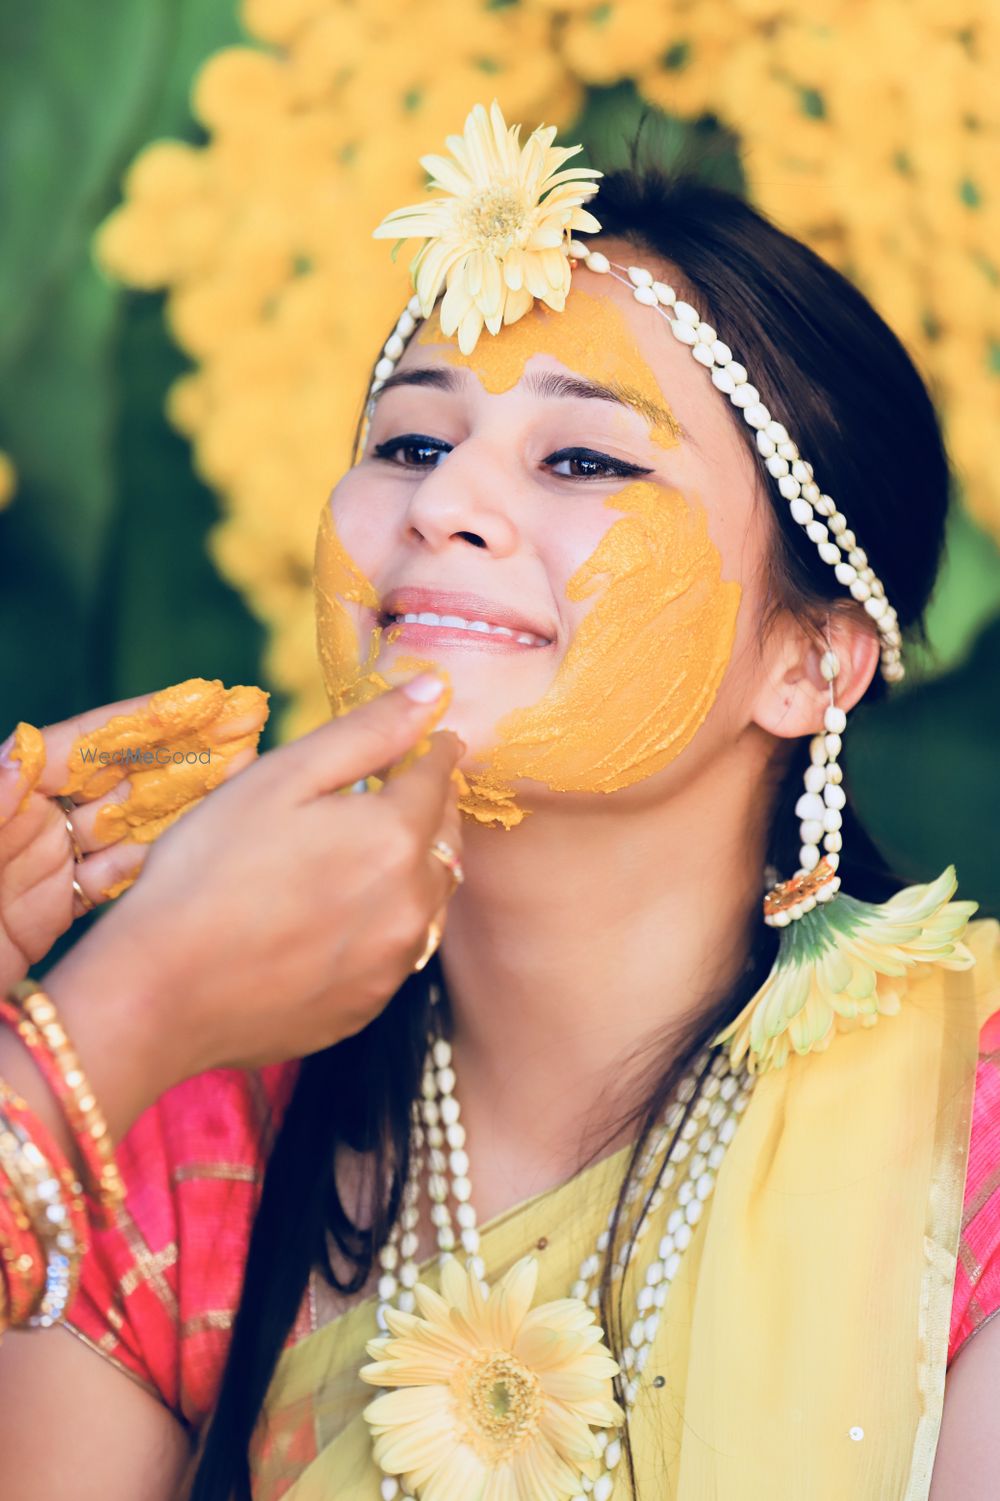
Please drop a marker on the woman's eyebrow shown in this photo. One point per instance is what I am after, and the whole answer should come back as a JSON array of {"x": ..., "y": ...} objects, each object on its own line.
[
  {"x": 550, "y": 384},
  {"x": 443, "y": 380}
]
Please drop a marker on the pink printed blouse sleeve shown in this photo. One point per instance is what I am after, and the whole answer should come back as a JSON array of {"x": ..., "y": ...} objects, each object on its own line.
[
  {"x": 977, "y": 1279},
  {"x": 159, "y": 1290}
]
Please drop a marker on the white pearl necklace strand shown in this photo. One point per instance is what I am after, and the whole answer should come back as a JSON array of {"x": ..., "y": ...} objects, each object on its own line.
[{"x": 701, "y": 1144}]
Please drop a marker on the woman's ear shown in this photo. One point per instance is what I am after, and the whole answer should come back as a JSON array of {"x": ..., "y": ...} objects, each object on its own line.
[{"x": 794, "y": 693}]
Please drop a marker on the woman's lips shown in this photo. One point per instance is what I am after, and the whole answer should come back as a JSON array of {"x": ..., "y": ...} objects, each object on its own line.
[
  {"x": 438, "y": 620},
  {"x": 430, "y": 631}
]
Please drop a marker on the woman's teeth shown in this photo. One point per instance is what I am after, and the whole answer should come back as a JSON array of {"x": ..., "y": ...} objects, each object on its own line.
[{"x": 459, "y": 623}]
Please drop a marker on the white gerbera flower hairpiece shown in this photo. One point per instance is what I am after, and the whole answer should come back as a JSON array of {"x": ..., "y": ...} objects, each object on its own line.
[{"x": 500, "y": 239}]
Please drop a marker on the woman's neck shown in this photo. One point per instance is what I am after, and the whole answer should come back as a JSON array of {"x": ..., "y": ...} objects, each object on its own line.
[{"x": 582, "y": 935}]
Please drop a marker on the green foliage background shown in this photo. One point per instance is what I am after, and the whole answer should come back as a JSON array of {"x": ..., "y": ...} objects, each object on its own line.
[{"x": 105, "y": 586}]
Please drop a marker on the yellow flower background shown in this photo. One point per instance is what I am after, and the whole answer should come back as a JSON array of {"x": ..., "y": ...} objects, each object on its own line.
[
  {"x": 8, "y": 481},
  {"x": 870, "y": 128}
]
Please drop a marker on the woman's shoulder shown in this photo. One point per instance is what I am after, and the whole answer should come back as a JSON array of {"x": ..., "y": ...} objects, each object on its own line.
[{"x": 159, "y": 1289}]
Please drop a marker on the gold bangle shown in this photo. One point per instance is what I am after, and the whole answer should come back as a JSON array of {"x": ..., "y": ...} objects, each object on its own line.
[{"x": 43, "y": 1034}]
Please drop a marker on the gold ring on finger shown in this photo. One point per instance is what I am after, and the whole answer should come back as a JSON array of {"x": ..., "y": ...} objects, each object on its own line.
[
  {"x": 442, "y": 850},
  {"x": 67, "y": 804},
  {"x": 85, "y": 901},
  {"x": 434, "y": 931}
]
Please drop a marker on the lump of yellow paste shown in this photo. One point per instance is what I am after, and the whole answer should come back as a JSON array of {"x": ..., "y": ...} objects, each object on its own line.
[{"x": 173, "y": 750}]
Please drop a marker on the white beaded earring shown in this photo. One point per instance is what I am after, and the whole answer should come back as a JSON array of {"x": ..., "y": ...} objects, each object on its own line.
[
  {"x": 820, "y": 809},
  {"x": 829, "y": 975}
]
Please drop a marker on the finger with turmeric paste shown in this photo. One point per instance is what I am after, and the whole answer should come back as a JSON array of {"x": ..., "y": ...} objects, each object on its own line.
[
  {"x": 22, "y": 764},
  {"x": 167, "y": 754},
  {"x": 409, "y": 667},
  {"x": 145, "y": 803},
  {"x": 215, "y": 731}
]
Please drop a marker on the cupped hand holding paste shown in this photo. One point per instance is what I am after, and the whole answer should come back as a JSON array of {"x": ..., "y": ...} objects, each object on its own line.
[
  {"x": 172, "y": 751},
  {"x": 644, "y": 665}
]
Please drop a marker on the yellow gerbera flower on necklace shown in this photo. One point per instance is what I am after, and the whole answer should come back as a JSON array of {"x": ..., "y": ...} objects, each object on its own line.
[
  {"x": 496, "y": 1399},
  {"x": 501, "y": 239}
]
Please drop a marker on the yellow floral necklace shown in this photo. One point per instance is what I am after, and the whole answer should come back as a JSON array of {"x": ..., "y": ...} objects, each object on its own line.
[{"x": 492, "y": 1397}]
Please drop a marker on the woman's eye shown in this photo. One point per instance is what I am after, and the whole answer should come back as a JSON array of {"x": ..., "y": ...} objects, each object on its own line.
[
  {"x": 412, "y": 451},
  {"x": 587, "y": 463},
  {"x": 417, "y": 451}
]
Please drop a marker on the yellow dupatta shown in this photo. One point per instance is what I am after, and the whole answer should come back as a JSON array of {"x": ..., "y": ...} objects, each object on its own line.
[{"x": 803, "y": 1345}]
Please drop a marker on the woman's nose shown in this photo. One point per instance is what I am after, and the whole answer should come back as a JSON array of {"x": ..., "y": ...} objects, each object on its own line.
[{"x": 464, "y": 499}]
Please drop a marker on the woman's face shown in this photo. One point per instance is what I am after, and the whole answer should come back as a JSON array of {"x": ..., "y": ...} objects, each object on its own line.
[{"x": 577, "y": 486}]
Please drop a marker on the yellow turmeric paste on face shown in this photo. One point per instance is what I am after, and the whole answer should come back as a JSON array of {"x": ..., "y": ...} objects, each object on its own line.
[
  {"x": 350, "y": 674},
  {"x": 642, "y": 669},
  {"x": 590, "y": 337},
  {"x": 645, "y": 664}
]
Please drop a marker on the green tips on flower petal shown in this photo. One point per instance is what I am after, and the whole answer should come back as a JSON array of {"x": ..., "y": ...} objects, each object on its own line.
[{"x": 846, "y": 964}]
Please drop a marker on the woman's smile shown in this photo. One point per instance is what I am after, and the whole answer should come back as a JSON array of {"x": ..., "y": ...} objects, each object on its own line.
[{"x": 441, "y": 620}]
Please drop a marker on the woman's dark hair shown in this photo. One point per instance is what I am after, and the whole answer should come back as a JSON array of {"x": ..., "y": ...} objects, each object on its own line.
[{"x": 829, "y": 368}]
